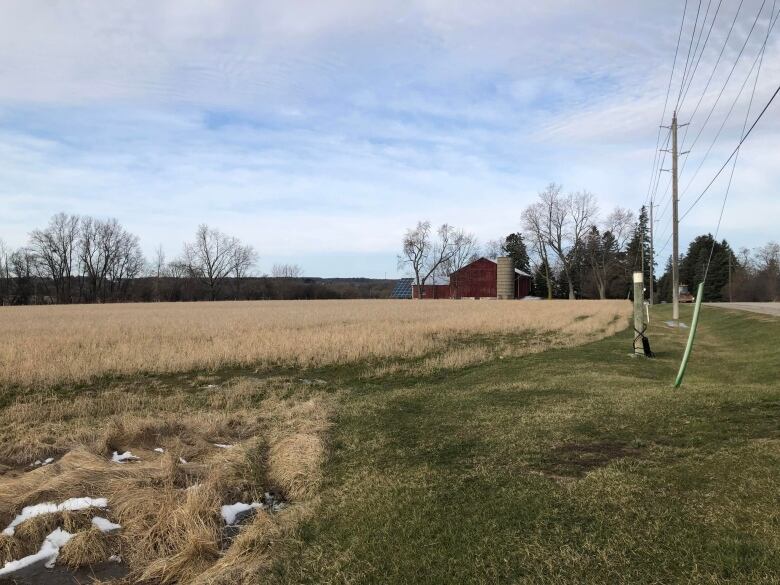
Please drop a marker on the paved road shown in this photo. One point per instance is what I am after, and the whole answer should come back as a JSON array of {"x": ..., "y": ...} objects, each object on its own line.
[{"x": 766, "y": 308}]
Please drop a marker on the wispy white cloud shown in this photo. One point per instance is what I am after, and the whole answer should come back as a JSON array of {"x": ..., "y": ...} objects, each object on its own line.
[{"x": 321, "y": 130}]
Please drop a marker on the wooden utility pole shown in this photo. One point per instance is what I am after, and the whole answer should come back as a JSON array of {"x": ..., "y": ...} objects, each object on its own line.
[
  {"x": 652, "y": 257},
  {"x": 675, "y": 234},
  {"x": 675, "y": 222}
]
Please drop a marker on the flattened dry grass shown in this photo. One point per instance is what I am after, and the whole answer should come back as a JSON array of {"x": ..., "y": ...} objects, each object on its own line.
[
  {"x": 67, "y": 344},
  {"x": 168, "y": 504}
]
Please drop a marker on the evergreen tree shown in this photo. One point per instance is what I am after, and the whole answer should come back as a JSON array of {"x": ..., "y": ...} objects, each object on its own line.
[
  {"x": 665, "y": 283},
  {"x": 514, "y": 247},
  {"x": 639, "y": 245},
  {"x": 694, "y": 264}
]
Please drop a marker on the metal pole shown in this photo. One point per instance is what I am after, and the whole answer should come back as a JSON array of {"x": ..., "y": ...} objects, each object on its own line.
[
  {"x": 639, "y": 323},
  {"x": 675, "y": 222}
]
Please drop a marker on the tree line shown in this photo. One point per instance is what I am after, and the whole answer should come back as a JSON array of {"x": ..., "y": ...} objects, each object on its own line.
[
  {"x": 572, "y": 250},
  {"x": 82, "y": 259}
]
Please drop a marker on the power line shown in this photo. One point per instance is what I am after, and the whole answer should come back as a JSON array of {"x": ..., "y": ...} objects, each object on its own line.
[
  {"x": 666, "y": 103},
  {"x": 704, "y": 46},
  {"x": 728, "y": 78},
  {"x": 760, "y": 55},
  {"x": 744, "y": 124},
  {"x": 688, "y": 57},
  {"x": 714, "y": 69},
  {"x": 734, "y": 152}
]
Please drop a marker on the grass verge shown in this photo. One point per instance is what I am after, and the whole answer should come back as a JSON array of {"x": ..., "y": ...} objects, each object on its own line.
[{"x": 577, "y": 465}]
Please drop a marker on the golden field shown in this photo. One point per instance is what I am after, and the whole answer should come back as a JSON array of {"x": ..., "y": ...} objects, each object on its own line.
[
  {"x": 49, "y": 345},
  {"x": 207, "y": 439}
]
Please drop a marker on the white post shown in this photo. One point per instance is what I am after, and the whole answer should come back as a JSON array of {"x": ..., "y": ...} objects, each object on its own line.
[{"x": 639, "y": 322}]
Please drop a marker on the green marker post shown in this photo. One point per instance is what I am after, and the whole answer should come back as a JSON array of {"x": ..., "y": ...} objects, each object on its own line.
[{"x": 691, "y": 336}]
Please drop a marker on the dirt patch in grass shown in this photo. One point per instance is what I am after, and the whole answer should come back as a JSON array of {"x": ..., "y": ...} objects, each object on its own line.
[
  {"x": 166, "y": 464},
  {"x": 574, "y": 460}
]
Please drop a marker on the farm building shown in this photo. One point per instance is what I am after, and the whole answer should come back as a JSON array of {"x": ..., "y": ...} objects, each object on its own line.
[{"x": 483, "y": 278}]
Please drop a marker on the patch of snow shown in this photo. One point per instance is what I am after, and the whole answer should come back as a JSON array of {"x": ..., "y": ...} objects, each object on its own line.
[
  {"x": 49, "y": 551},
  {"x": 159, "y": 449},
  {"x": 182, "y": 460},
  {"x": 221, "y": 446},
  {"x": 122, "y": 457},
  {"x": 49, "y": 508},
  {"x": 104, "y": 524},
  {"x": 230, "y": 511},
  {"x": 39, "y": 463}
]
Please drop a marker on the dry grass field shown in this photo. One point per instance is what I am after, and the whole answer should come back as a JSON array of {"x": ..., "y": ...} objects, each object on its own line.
[
  {"x": 44, "y": 346},
  {"x": 194, "y": 449},
  {"x": 215, "y": 406},
  {"x": 399, "y": 442}
]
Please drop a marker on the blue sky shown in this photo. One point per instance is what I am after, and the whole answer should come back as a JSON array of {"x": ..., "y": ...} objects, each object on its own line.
[{"x": 319, "y": 131}]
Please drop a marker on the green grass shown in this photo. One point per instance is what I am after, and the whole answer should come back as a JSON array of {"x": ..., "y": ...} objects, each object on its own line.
[{"x": 579, "y": 465}]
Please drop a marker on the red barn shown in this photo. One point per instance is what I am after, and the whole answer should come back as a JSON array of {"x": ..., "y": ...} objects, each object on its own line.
[
  {"x": 431, "y": 291},
  {"x": 477, "y": 280}
]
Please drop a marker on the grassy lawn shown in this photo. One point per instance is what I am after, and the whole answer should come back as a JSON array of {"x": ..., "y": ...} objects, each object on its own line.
[{"x": 578, "y": 465}]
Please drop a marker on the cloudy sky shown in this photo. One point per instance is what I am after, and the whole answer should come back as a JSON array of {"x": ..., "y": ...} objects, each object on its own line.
[{"x": 319, "y": 131}]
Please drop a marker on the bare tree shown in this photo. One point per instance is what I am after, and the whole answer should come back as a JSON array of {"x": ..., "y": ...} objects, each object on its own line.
[
  {"x": 604, "y": 249},
  {"x": 493, "y": 249},
  {"x": 245, "y": 257},
  {"x": 5, "y": 274},
  {"x": 767, "y": 271},
  {"x": 424, "y": 256},
  {"x": 109, "y": 257},
  {"x": 620, "y": 223},
  {"x": 286, "y": 271},
  {"x": 55, "y": 249},
  {"x": 211, "y": 257},
  {"x": 465, "y": 249},
  {"x": 22, "y": 270},
  {"x": 128, "y": 263},
  {"x": 415, "y": 250},
  {"x": 158, "y": 270},
  {"x": 177, "y": 269},
  {"x": 567, "y": 220},
  {"x": 534, "y": 220}
]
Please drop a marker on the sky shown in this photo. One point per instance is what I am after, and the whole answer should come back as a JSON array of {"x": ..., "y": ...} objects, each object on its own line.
[{"x": 318, "y": 132}]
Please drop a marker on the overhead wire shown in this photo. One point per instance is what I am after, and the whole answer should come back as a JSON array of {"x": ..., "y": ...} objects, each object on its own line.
[
  {"x": 726, "y": 82},
  {"x": 700, "y": 100},
  {"x": 733, "y": 153},
  {"x": 656, "y": 154},
  {"x": 744, "y": 125},
  {"x": 760, "y": 55},
  {"x": 703, "y": 48},
  {"x": 688, "y": 56},
  {"x": 712, "y": 73}
]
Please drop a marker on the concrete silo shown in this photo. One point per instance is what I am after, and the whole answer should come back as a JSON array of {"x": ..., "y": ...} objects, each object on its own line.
[{"x": 505, "y": 278}]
